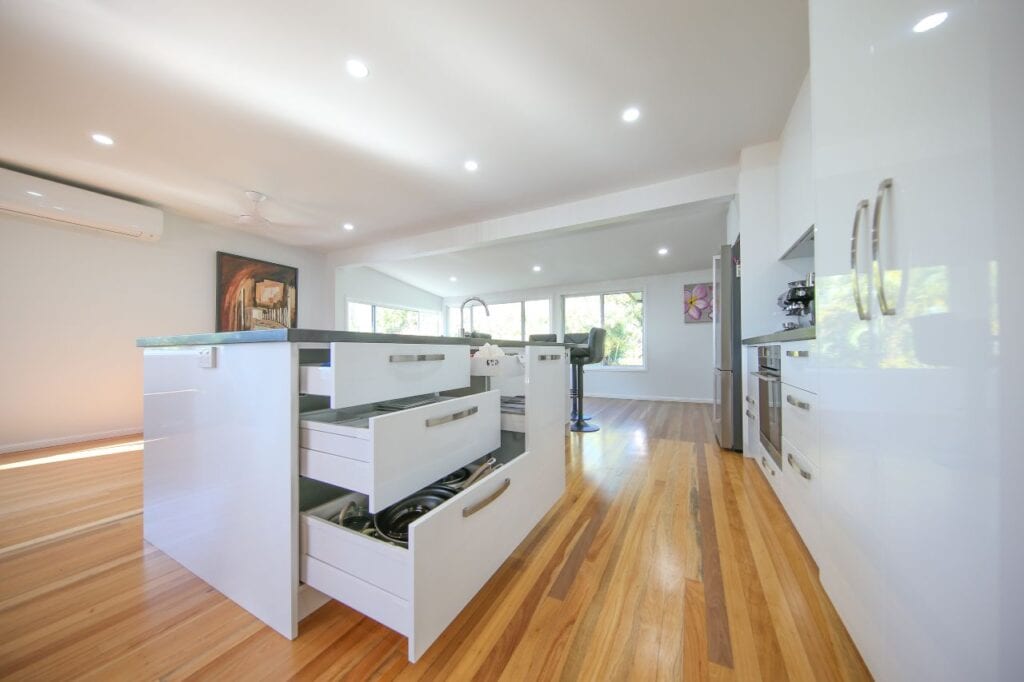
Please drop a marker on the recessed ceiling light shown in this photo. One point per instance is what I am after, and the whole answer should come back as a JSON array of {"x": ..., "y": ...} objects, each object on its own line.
[
  {"x": 33, "y": 194},
  {"x": 58, "y": 208},
  {"x": 630, "y": 115},
  {"x": 100, "y": 138},
  {"x": 348, "y": 227},
  {"x": 471, "y": 166},
  {"x": 930, "y": 22},
  {"x": 536, "y": 268},
  {"x": 453, "y": 278},
  {"x": 356, "y": 68},
  {"x": 663, "y": 251}
]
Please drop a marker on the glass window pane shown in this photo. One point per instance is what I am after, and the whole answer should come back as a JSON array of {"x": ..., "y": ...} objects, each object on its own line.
[
  {"x": 430, "y": 323},
  {"x": 360, "y": 317},
  {"x": 504, "y": 322},
  {"x": 453, "y": 322},
  {"x": 624, "y": 321},
  {"x": 397, "y": 321},
  {"x": 582, "y": 313},
  {"x": 538, "y": 317}
]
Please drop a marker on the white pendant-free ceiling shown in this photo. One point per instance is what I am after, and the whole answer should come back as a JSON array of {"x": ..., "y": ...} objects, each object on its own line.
[{"x": 206, "y": 100}]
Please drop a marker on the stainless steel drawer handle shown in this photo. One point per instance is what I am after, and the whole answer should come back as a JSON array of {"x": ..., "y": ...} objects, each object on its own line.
[
  {"x": 792, "y": 463},
  {"x": 797, "y": 403},
  {"x": 554, "y": 356},
  {"x": 750, "y": 415},
  {"x": 477, "y": 506},
  {"x": 876, "y": 239},
  {"x": 461, "y": 414},
  {"x": 798, "y": 353},
  {"x": 416, "y": 358}
]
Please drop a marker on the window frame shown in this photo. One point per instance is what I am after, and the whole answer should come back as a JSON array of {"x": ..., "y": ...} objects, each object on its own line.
[
  {"x": 373, "y": 315},
  {"x": 602, "y": 367},
  {"x": 522, "y": 315}
]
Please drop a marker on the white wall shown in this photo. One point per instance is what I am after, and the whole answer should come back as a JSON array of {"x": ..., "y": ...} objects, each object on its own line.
[
  {"x": 366, "y": 285},
  {"x": 678, "y": 355},
  {"x": 74, "y": 301}
]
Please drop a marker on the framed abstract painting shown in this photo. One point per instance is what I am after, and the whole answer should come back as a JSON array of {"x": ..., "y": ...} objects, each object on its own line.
[
  {"x": 255, "y": 294},
  {"x": 698, "y": 302}
]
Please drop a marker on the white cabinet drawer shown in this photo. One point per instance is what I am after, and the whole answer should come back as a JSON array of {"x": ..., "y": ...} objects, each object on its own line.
[
  {"x": 362, "y": 373},
  {"x": 800, "y": 480},
  {"x": 397, "y": 453},
  {"x": 800, "y": 364},
  {"x": 800, "y": 420},
  {"x": 453, "y": 551}
]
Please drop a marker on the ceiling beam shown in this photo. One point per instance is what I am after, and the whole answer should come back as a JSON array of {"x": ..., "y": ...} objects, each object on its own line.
[{"x": 716, "y": 184}]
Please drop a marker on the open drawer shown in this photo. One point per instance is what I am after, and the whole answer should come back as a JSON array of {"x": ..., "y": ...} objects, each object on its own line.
[
  {"x": 388, "y": 455},
  {"x": 362, "y": 373},
  {"x": 453, "y": 551}
]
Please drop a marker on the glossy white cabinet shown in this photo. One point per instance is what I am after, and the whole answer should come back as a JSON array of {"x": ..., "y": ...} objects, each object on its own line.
[
  {"x": 795, "y": 176},
  {"x": 908, "y": 384}
]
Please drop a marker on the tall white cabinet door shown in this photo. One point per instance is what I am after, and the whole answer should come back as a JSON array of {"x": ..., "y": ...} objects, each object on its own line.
[{"x": 908, "y": 420}]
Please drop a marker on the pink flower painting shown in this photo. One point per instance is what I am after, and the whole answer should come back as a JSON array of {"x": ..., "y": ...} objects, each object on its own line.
[{"x": 697, "y": 302}]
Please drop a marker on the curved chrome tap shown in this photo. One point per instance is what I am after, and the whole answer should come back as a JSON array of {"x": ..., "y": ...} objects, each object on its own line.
[{"x": 462, "y": 312}]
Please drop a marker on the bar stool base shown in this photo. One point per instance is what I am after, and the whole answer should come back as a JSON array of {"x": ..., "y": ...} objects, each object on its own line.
[{"x": 583, "y": 427}]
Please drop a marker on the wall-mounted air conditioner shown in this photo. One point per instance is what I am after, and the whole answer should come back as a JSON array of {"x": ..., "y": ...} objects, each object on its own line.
[{"x": 30, "y": 196}]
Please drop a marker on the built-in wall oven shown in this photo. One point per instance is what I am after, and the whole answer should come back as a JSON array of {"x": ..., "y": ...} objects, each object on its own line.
[{"x": 769, "y": 392}]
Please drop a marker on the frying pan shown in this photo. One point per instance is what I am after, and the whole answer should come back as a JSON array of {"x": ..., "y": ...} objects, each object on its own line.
[{"x": 393, "y": 522}]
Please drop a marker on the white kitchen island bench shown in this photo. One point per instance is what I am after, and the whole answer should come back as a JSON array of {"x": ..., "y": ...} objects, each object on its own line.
[{"x": 255, "y": 441}]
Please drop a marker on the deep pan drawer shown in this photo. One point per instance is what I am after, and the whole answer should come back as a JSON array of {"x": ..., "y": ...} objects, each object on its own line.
[
  {"x": 800, "y": 364},
  {"x": 397, "y": 453},
  {"x": 453, "y": 551},
  {"x": 362, "y": 373},
  {"x": 800, "y": 420},
  {"x": 800, "y": 480}
]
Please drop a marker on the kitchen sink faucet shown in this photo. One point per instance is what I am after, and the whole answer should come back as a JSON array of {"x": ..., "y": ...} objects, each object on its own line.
[{"x": 462, "y": 312}]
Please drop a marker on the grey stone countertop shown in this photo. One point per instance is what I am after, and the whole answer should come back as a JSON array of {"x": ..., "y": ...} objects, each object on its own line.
[
  {"x": 322, "y": 336},
  {"x": 798, "y": 334}
]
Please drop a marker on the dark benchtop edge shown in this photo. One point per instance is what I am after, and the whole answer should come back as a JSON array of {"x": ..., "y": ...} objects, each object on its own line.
[
  {"x": 798, "y": 334},
  {"x": 321, "y": 336}
]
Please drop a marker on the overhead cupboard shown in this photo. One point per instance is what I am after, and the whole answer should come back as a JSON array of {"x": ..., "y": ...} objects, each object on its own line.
[{"x": 383, "y": 475}]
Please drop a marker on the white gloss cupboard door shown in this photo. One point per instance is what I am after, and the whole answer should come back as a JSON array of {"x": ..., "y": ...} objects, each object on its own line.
[{"x": 909, "y": 420}]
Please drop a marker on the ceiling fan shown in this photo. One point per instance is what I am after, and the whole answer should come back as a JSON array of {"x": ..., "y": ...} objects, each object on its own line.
[{"x": 253, "y": 215}]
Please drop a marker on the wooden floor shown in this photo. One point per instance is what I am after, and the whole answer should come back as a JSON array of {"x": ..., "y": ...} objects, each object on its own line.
[{"x": 666, "y": 559}]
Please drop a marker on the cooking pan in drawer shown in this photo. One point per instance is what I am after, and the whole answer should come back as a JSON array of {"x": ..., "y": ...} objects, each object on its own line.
[{"x": 393, "y": 522}]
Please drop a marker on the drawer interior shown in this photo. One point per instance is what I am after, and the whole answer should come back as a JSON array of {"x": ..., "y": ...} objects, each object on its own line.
[
  {"x": 358, "y": 416},
  {"x": 328, "y": 502}
]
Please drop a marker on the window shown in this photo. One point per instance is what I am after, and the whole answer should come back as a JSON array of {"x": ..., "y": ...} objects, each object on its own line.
[
  {"x": 621, "y": 314},
  {"x": 366, "y": 317},
  {"x": 513, "y": 321}
]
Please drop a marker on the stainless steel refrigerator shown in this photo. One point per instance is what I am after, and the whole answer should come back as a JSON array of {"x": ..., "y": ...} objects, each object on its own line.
[{"x": 728, "y": 367}]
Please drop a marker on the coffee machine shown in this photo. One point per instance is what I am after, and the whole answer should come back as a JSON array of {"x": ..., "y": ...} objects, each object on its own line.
[{"x": 797, "y": 302}]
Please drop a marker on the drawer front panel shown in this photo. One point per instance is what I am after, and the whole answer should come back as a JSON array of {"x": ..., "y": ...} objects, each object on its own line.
[
  {"x": 800, "y": 420},
  {"x": 545, "y": 388},
  {"x": 457, "y": 547},
  {"x": 371, "y": 372},
  {"x": 800, "y": 364},
  {"x": 383, "y": 607},
  {"x": 336, "y": 470},
  {"x": 413, "y": 448},
  {"x": 383, "y": 565},
  {"x": 801, "y": 483}
]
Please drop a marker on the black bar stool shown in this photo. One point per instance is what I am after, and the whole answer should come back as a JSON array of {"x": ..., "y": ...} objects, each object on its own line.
[{"x": 592, "y": 354}]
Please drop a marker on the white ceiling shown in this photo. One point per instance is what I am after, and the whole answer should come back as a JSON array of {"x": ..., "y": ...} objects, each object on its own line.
[
  {"x": 208, "y": 99},
  {"x": 626, "y": 248}
]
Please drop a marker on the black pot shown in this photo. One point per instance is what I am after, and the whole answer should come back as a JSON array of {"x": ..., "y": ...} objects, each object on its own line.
[
  {"x": 393, "y": 523},
  {"x": 457, "y": 476}
]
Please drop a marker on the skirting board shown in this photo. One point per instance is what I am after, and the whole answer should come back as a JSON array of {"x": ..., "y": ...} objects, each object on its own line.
[
  {"x": 661, "y": 398},
  {"x": 66, "y": 440}
]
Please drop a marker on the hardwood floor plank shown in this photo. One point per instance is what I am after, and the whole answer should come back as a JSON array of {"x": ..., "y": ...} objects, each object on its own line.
[{"x": 666, "y": 559}]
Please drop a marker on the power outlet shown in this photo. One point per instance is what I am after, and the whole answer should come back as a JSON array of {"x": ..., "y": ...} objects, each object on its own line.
[{"x": 208, "y": 357}]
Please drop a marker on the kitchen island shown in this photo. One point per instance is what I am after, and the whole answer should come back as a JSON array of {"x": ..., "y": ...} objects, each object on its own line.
[{"x": 260, "y": 444}]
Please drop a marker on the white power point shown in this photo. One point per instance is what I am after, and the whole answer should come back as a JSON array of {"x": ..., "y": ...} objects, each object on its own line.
[{"x": 207, "y": 357}]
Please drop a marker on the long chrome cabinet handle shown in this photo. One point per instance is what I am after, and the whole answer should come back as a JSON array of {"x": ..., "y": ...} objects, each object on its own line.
[
  {"x": 416, "y": 358},
  {"x": 792, "y": 463},
  {"x": 798, "y": 353},
  {"x": 862, "y": 207},
  {"x": 554, "y": 356},
  {"x": 461, "y": 414},
  {"x": 477, "y": 506},
  {"x": 876, "y": 238},
  {"x": 797, "y": 403}
]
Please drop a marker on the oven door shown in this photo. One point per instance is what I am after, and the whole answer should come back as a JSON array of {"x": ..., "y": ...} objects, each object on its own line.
[{"x": 770, "y": 415}]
